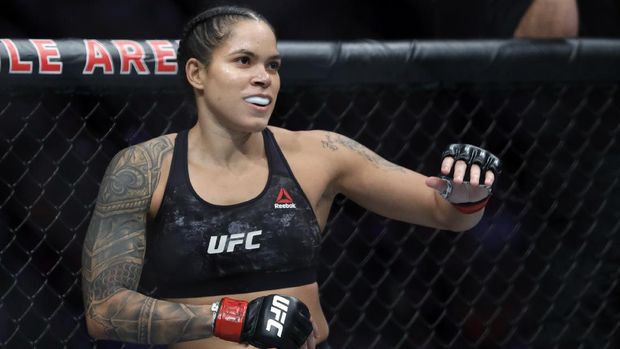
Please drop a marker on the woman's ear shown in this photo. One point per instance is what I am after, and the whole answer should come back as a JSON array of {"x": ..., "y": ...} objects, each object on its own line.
[{"x": 195, "y": 73}]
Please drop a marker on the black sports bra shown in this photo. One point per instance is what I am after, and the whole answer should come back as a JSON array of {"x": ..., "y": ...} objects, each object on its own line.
[{"x": 195, "y": 248}]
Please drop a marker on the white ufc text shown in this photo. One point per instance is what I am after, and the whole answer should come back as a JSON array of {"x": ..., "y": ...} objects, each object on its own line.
[
  {"x": 228, "y": 243},
  {"x": 279, "y": 307}
]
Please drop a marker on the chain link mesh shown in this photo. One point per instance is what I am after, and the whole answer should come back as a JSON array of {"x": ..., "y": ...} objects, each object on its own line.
[{"x": 540, "y": 270}]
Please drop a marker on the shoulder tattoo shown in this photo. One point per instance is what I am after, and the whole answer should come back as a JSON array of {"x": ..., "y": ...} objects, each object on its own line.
[
  {"x": 114, "y": 242},
  {"x": 113, "y": 253}
]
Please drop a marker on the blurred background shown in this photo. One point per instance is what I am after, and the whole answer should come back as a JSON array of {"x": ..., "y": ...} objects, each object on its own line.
[{"x": 294, "y": 19}]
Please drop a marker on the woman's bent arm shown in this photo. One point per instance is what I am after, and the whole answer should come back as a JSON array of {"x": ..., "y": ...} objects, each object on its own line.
[{"x": 113, "y": 254}]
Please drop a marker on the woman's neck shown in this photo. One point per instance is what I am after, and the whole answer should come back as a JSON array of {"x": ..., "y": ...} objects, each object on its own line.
[{"x": 214, "y": 144}]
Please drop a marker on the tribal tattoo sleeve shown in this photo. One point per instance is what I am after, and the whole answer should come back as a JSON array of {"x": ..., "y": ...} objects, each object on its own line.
[{"x": 113, "y": 253}]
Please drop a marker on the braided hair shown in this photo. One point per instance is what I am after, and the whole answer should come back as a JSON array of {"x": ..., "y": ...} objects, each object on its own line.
[{"x": 208, "y": 30}]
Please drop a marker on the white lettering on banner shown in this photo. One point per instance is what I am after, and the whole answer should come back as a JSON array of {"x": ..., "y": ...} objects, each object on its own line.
[
  {"x": 219, "y": 244},
  {"x": 279, "y": 307}
]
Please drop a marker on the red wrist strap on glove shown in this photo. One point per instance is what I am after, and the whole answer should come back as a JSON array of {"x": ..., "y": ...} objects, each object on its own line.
[
  {"x": 229, "y": 319},
  {"x": 472, "y": 207}
]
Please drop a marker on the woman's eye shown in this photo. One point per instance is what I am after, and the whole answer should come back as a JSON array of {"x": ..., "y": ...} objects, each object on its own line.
[
  {"x": 274, "y": 65},
  {"x": 244, "y": 60}
]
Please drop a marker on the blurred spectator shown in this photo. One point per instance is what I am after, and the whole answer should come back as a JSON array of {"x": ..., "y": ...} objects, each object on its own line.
[
  {"x": 549, "y": 19},
  {"x": 526, "y": 18}
]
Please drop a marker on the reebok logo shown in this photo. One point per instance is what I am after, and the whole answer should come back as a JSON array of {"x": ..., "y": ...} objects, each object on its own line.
[
  {"x": 279, "y": 308},
  {"x": 284, "y": 200},
  {"x": 219, "y": 244}
]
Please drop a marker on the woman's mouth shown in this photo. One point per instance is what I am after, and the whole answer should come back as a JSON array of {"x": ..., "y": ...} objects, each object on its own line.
[{"x": 258, "y": 101}]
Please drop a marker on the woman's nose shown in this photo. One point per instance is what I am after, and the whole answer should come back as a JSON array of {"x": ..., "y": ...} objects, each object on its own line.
[{"x": 261, "y": 78}]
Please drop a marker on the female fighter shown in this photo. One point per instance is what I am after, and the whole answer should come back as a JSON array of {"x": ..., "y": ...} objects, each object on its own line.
[{"x": 209, "y": 238}]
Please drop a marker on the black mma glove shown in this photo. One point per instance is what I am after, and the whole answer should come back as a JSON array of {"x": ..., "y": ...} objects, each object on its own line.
[
  {"x": 274, "y": 321},
  {"x": 461, "y": 196}
]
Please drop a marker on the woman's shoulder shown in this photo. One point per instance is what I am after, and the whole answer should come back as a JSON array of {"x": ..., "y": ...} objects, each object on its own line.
[
  {"x": 150, "y": 153},
  {"x": 299, "y": 140},
  {"x": 312, "y": 148},
  {"x": 321, "y": 142},
  {"x": 155, "y": 145}
]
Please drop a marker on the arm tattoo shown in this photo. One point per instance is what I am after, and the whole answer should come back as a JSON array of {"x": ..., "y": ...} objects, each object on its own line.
[
  {"x": 113, "y": 254},
  {"x": 332, "y": 141}
]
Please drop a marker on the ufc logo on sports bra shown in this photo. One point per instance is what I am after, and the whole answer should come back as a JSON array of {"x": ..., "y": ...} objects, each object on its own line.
[
  {"x": 279, "y": 307},
  {"x": 228, "y": 243}
]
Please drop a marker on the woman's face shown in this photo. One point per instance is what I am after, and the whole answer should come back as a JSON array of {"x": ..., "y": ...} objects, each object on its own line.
[{"x": 241, "y": 82}]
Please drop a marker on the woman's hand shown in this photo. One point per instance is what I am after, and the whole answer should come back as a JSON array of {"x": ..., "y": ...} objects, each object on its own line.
[{"x": 467, "y": 174}]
